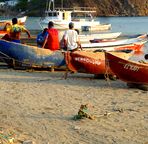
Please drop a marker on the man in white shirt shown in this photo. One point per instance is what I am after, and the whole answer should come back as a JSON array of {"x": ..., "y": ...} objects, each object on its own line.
[{"x": 71, "y": 39}]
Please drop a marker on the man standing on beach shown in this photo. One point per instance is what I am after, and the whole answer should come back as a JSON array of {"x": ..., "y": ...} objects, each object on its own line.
[
  {"x": 52, "y": 39},
  {"x": 15, "y": 30}
]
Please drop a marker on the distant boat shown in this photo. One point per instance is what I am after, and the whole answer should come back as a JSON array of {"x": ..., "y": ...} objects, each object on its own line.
[
  {"x": 21, "y": 21},
  {"x": 80, "y": 16},
  {"x": 127, "y": 70}
]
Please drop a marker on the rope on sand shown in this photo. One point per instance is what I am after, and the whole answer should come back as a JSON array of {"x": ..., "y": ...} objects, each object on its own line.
[
  {"x": 106, "y": 75},
  {"x": 84, "y": 113}
]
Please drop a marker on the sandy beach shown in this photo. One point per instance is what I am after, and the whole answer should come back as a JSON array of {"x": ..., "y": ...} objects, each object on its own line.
[{"x": 38, "y": 107}]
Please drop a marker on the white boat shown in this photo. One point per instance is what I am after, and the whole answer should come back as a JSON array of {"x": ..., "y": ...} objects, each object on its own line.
[
  {"x": 62, "y": 16},
  {"x": 134, "y": 47},
  {"x": 142, "y": 38},
  {"x": 88, "y": 37},
  {"x": 21, "y": 20}
]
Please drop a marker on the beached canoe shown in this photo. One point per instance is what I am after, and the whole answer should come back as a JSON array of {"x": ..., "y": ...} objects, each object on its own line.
[
  {"x": 88, "y": 37},
  {"x": 122, "y": 37},
  {"x": 134, "y": 47},
  {"x": 29, "y": 56},
  {"x": 89, "y": 62},
  {"x": 126, "y": 70},
  {"x": 142, "y": 38}
]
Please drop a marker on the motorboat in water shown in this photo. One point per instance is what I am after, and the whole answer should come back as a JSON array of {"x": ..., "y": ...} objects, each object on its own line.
[{"x": 80, "y": 16}]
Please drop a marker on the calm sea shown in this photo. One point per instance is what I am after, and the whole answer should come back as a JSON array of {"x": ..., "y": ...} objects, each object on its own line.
[{"x": 126, "y": 25}]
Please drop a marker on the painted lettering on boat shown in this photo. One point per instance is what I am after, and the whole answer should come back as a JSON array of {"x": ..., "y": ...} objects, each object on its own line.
[
  {"x": 131, "y": 67},
  {"x": 87, "y": 60}
]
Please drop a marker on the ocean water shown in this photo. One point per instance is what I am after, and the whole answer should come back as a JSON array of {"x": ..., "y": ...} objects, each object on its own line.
[
  {"x": 126, "y": 25},
  {"x": 129, "y": 26}
]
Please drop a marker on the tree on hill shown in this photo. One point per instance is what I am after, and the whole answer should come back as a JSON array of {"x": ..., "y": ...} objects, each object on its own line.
[
  {"x": 104, "y": 7},
  {"x": 22, "y": 5}
]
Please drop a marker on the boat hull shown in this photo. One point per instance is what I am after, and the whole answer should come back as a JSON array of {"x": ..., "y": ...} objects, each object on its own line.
[
  {"x": 89, "y": 62},
  {"x": 128, "y": 71},
  {"x": 30, "y": 56}
]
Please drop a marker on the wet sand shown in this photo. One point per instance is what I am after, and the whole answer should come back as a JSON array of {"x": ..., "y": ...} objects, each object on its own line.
[{"x": 39, "y": 106}]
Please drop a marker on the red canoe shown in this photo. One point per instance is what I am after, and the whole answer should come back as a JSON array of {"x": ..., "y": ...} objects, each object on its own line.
[
  {"x": 89, "y": 62},
  {"x": 128, "y": 71}
]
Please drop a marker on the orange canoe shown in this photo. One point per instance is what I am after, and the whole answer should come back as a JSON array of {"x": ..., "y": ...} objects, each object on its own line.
[{"x": 89, "y": 62}]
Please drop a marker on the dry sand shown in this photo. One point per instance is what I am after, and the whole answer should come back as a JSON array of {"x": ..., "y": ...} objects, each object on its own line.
[{"x": 40, "y": 106}]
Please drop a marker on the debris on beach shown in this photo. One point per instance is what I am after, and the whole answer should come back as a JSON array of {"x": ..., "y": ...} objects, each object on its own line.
[
  {"x": 84, "y": 113},
  {"x": 12, "y": 136},
  {"x": 6, "y": 136}
]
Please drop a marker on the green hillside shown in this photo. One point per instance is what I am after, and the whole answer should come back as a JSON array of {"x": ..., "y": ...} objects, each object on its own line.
[{"x": 104, "y": 7}]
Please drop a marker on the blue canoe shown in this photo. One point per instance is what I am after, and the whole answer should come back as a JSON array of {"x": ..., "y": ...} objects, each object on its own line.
[{"x": 29, "y": 56}]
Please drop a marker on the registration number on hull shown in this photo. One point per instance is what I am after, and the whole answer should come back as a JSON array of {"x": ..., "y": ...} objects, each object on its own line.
[{"x": 131, "y": 67}]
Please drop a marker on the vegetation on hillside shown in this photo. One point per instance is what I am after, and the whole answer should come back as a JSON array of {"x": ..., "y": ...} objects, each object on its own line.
[{"x": 104, "y": 7}]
